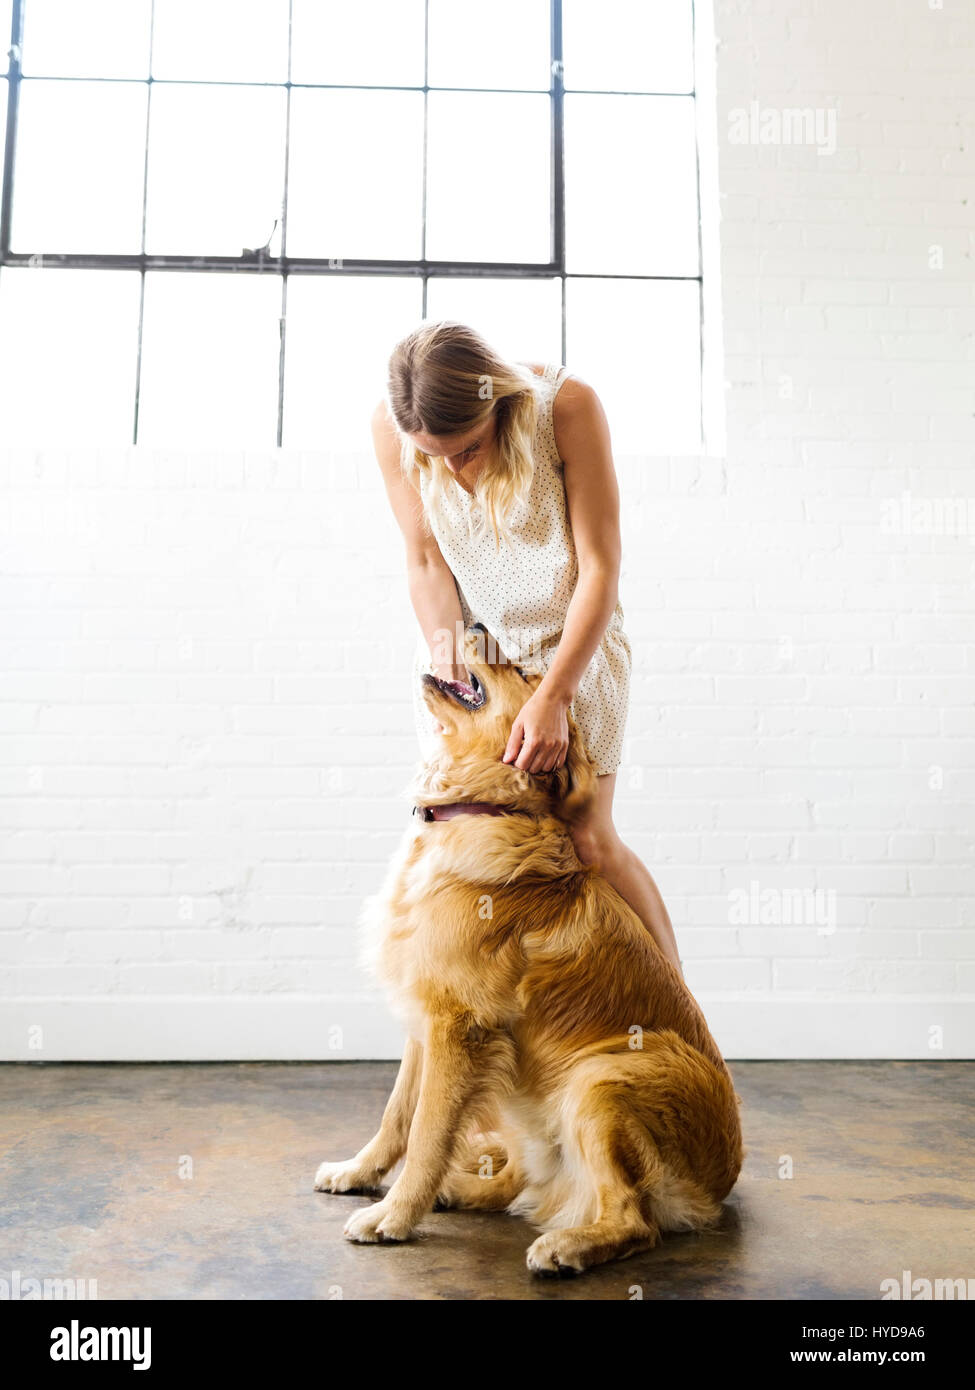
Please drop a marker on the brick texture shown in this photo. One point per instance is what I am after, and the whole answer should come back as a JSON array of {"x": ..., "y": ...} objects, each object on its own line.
[{"x": 205, "y": 711}]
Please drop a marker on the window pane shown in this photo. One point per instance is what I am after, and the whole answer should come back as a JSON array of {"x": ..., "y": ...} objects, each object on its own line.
[
  {"x": 87, "y": 38},
  {"x": 630, "y": 185},
  {"x": 369, "y": 43},
  {"x": 522, "y": 319},
  {"x": 210, "y": 348},
  {"x": 637, "y": 342},
  {"x": 80, "y": 162},
  {"x": 221, "y": 40},
  {"x": 355, "y": 176},
  {"x": 216, "y": 168},
  {"x": 341, "y": 330},
  {"x": 504, "y": 44},
  {"x": 68, "y": 349},
  {"x": 6, "y": 10},
  {"x": 628, "y": 45},
  {"x": 488, "y": 160}
]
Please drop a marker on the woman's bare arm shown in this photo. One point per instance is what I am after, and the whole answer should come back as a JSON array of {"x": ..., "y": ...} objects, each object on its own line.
[
  {"x": 593, "y": 497},
  {"x": 539, "y": 737},
  {"x": 433, "y": 590}
]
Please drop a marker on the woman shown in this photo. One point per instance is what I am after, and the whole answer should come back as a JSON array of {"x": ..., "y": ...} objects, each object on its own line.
[{"x": 501, "y": 478}]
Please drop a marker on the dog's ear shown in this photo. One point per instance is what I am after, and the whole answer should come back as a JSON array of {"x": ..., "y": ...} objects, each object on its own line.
[
  {"x": 530, "y": 674},
  {"x": 574, "y": 784}
]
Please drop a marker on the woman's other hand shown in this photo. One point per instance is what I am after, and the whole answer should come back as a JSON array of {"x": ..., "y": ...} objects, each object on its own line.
[{"x": 539, "y": 738}]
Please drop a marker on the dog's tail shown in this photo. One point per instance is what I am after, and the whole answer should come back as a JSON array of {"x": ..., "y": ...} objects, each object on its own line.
[{"x": 481, "y": 1153}]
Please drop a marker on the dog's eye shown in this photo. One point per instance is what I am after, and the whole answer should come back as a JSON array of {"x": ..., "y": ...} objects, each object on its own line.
[{"x": 520, "y": 672}]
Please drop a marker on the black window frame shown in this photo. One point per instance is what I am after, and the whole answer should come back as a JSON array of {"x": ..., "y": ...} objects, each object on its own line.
[{"x": 261, "y": 261}]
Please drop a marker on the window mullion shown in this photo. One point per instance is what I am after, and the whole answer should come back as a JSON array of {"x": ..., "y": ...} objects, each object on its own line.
[
  {"x": 426, "y": 130},
  {"x": 10, "y": 129},
  {"x": 557, "y": 252},
  {"x": 283, "y": 319},
  {"x": 558, "y": 162}
]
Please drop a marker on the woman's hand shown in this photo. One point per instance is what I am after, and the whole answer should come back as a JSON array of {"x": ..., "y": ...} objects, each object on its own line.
[{"x": 539, "y": 737}]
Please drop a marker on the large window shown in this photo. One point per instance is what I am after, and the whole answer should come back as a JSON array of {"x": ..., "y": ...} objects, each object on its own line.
[{"x": 219, "y": 215}]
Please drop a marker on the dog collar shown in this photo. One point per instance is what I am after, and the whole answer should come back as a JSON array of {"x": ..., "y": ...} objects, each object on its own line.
[{"x": 459, "y": 808}]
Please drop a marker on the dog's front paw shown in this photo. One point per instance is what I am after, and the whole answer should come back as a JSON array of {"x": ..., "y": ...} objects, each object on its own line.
[
  {"x": 378, "y": 1223},
  {"x": 347, "y": 1176}
]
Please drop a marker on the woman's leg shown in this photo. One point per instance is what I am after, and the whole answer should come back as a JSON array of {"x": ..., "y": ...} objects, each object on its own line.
[{"x": 598, "y": 843}]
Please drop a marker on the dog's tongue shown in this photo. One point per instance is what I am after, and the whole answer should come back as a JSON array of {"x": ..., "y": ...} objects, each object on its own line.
[{"x": 464, "y": 689}]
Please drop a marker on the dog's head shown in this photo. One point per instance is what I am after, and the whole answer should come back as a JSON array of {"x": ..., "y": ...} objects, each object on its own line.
[{"x": 475, "y": 735}]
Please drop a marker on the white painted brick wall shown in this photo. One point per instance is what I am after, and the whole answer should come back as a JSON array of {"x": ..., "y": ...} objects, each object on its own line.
[{"x": 206, "y": 718}]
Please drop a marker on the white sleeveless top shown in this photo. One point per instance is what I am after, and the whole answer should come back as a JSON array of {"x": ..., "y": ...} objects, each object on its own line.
[{"x": 521, "y": 591}]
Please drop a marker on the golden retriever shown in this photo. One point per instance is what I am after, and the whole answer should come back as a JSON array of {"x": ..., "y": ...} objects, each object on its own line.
[{"x": 556, "y": 1067}]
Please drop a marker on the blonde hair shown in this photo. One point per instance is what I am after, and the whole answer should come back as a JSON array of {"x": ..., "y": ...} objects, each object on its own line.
[{"x": 445, "y": 379}]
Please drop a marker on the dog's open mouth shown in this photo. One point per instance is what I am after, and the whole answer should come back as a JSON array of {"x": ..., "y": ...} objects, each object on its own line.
[{"x": 471, "y": 697}]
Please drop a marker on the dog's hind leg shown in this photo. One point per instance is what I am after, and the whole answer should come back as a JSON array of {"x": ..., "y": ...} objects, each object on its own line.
[
  {"x": 364, "y": 1172},
  {"x": 649, "y": 1143},
  {"x": 609, "y": 1159}
]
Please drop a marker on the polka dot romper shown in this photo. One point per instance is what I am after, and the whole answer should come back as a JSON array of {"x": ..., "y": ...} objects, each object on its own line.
[{"x": 521, "y": 591}]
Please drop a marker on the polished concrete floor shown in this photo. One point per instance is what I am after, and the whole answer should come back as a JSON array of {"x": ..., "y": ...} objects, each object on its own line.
[{"x": 195, "y": 1181}]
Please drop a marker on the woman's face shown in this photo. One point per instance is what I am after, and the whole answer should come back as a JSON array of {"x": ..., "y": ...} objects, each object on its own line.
[{"x": 460, "y": 451}]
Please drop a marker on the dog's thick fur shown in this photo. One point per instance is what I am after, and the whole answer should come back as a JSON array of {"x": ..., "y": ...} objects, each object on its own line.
[{"x": 557, "y": 1066}]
